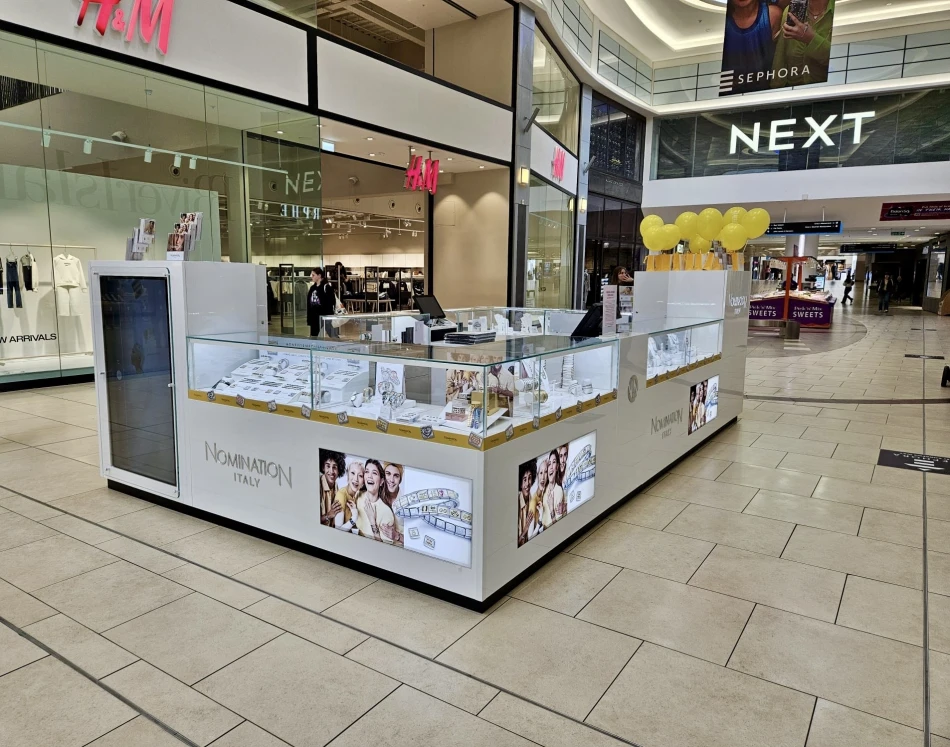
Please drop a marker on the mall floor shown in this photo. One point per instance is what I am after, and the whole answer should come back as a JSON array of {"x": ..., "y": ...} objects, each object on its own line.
[{"x": 764, "y": 593}]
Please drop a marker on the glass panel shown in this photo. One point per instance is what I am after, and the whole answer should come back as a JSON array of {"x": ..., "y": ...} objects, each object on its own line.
[
  {"x": 936, "y": 270},
  {"x": 138, "y": 362},
  {"x": 557, "y": 92},
  {"x": 550, "y": 246}
]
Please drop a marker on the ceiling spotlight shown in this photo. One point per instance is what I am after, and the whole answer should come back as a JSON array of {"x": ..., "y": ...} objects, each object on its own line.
[
  {"x": 87, "y": 146},
  {"x": 372, "y": 155},
  {"x": 413, "y": 150},
  {"x": 481, "y": 167},
  {"x": 192, "y": 163},
  {"x": 178, "y": 160},
  {"x": 448, "y": 159},
  {"x": 280, "y": 132},
  {"x": 47, "y": 138},
  {"x": 370, "y": 139},
  {"x": 441, "y": 171},
  {"x": 148, "y": 156}
]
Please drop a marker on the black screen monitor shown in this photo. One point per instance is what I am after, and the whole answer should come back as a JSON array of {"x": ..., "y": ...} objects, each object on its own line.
[
  {"x": 429, "y": 305},
  {"x": 592, "y": 324}
]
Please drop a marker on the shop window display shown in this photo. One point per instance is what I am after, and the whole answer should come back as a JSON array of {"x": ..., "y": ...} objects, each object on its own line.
[{"x": 550, "y": 247}]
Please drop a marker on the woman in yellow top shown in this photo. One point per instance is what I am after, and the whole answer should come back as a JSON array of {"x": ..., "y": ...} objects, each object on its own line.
[
  {"x": 343, "y": 512},
  {"x": 555, "y": 504},
  {"x": 393, "y": 474},
  {"x": 374, "y": 518},
  {"x": 803, "y": 48}
]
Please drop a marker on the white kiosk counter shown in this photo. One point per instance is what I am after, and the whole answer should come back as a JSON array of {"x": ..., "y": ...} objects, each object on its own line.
[{"x": 453, "y": 469}]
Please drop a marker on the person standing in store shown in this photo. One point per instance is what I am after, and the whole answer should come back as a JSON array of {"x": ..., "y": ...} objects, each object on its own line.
[
  {"x": 884, "y": 290},
  {"x": 320, "y": 300},
  {"x": 848, "y": 285}
]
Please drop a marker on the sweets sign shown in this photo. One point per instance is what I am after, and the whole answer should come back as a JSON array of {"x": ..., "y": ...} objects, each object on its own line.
[{"x": 145, "y": 15}]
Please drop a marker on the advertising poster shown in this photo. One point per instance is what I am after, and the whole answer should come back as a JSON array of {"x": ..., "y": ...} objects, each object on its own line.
[
  {"x": 776, "y": 44},
  {"x": 703, "y": 403},
  {"x": 554, "y": 484},
  {"x": 426, "y": 512}
]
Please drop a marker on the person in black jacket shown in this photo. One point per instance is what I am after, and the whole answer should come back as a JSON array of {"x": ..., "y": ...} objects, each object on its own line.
[
  {"x": 884, "y": 290},
  {"x": 320, "y": 300}
]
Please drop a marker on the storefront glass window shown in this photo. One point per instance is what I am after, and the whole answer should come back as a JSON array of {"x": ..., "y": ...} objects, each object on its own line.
[
  {"x": 556, "y": 91},
  {"x": 550, "y": 247},
  {"x": 92, "y": 151},
  {"x": 616, "y": 140},
  {"x": 936, "y": 270}
]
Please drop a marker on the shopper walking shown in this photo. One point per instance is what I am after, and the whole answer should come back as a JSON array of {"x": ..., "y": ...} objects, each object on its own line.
[
  {"x": 848, "y": 285},
  {"x": 320, "y": 300},
  {"x": 884, "y": 290}
]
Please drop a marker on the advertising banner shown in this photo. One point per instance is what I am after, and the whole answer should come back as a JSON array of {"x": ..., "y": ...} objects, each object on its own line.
[
  {"x": 554, "y": 484},
  {"x": 703, "y": 403},
  {"x": 775, "y": 44},
  {"x": 427, "y": 512},
  {"x": 891, "y": 211},
  {"x": 806, "y": 313}
]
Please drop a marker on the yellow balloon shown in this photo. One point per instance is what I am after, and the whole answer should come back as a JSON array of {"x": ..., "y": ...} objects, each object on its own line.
[
  {"x": 699, "y": 245},
  {"x": 651, "y": 221},
  {"x": 734, "y": 237},
  {"x": 688, "y": 224},
  {"x": 734, "y": 215},
  {"x": 756, "y": 222},
  {"x": 671, "y": 236},
  {"x": 652, "y": 238},
  {"x": 710, "y": 223}
]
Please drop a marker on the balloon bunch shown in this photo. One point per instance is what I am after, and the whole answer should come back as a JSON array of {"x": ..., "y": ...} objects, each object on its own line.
[{"x": 732, "y": 229}]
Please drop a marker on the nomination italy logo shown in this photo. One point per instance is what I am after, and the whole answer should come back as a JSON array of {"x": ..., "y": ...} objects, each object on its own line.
[
  {"x": 249, "y": 470},
  {"x": 658, "y": 425}
]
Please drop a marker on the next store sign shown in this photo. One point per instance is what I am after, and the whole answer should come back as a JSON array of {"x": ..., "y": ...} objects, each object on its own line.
[{"x": 782, "y": 130}]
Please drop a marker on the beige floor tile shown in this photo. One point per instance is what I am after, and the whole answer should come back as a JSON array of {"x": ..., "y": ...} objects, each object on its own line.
[
  {"x": 872, "y": 496},
  {"x": 707, "y": 492},
  {"x": 308, "y": 581},
  {"x": 47, "y": 476},
  {"x": 139, "y": 732},
  {"x": 436, "y": 680},
  {"x": 16, "y": 530},
  {"x": 835, "y": 517},
  {"x": 407, "y": 618},
  {"x": 747, "y": 532},
  {"x": 542, "y": 726},
  {"x": 566, "y": 583},
  {"x": 80, "y": 529},
  {"x": 31, "y": 509},
  {"x": 79, "y": 447},
  {"x": 904, "y": 529},
  {"x": 142, "y": 555},
  {"x": 87, "y": 650},
  {"x": 780, "y": 480},
  {"x": 813, "y": 421},
  {"x": 112, "y": 595},
  {"x": 15, "y": 652},
  {"x": 652, "y": 511},
  {"x": 828, "y": 435},
  {"x": 428, "y": 728},
  {"x": 307, "y": 625},
  {"x": 744, "y": 454},
  {"x": 872, "y": 674},
  {"x": 276, "y": 686},
  {"x": 248, "y": 735},
  {"x": 225, "y": 550},
  {"x": 794, "y": 587},
  {"x": 763, "y": 416},
  {"x": 215, "y": 586},
  {"x": 567, "y": 666},
  {"x": 783, "y": 407},
  {"x": 192, "y": 637},
  {"x": 834, "y": 725},
  {"x": 938, "y": 564},
  {"x": 771, "y": 429},
  {"x": 699, "y": 466},
  {"x": 940, "y": 694},
  {"x": 47, "y": 703},
  {"x": 733, "y": 435},
  {"x": 784, "y": 444},
  {"x": 862, "y": 454},
  {"x": 157, "y": 526},
  {"x": 30, "y": 434},
  {"x": 859, "y": 415},
  {"x": 177, "y": 705},
  {"x": 21, "y": 609},
  {"x": 647, "y": 550},
  {"x": 881, "y": 561},
  {"x": 658, "y": 697},
  {"x": 100, "y": 505},
  {"x": 48, "y": 561},
  {"x": 670, "y": 614},
  {"x": 854, "y": 471}
]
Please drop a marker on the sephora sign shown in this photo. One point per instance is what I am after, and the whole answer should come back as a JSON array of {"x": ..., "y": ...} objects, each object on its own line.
[
  {"x": 145, "y": 15},
  {"x": 780, "y": 131}
]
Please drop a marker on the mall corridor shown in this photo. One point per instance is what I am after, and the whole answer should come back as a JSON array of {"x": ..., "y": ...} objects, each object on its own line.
[{"x": 767, "y": 591}]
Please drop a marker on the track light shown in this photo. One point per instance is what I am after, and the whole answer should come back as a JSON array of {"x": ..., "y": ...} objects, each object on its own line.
[
  {"x": 148, "y": 156},
  {"x": 87, "y": 146},
  {"x": 192, "y": 163},
  {"x": 47, "y": 138},
  {"x": 178, "y": 160}
]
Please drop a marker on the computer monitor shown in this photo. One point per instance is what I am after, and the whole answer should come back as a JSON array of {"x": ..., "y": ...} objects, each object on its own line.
[
  {"x": 592, "y": 324},
  {"x": 429, "y": 305}
]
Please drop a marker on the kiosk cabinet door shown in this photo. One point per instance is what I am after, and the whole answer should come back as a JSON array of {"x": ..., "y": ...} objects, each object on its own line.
[{"x": 137, "y": 386}]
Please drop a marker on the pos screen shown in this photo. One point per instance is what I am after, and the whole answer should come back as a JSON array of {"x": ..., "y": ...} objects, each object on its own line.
[{"x": 429, "y": 305}]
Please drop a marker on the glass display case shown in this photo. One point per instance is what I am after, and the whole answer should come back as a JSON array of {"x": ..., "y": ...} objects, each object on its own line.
[
  {"x": 477, "y": 396},
  {"x": 504, "y": 321},
  {"x": 679, "y": 348},
  {"x": 397, "y": 326}
]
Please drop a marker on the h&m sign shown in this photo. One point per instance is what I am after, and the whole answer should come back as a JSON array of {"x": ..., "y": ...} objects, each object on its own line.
[
  {"x": 557, "y": 165},
  {"x": 779, "y": 132},
  {"x": 422, "y": 175},
  {"x": 146, "y": 15}
]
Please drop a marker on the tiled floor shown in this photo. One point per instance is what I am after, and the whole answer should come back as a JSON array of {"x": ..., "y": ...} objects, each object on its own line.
[{"x": 767, "y": 592}]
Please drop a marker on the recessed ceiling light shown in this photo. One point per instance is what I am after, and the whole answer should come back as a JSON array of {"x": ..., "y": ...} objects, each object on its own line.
[
  {"x": 481, "y": 167},
  {"x": 369, "y": 139},
  {"x": 372, "y": 155},
  {"x": 280, "y": 132},
  {"x": 448, "y": 159},
  {"x": 413, "y": 150},
  {"x": 441, "y": 171}
]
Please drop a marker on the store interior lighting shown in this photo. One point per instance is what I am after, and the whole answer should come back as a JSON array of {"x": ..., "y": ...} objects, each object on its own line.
[
  {"x": 192, "y": 163},
  {"x": 87, "y": 146},
  {"x": 148, "y": 155},
  {"x": 178, "y": 160},
  {"x": 524, "y": 176}
]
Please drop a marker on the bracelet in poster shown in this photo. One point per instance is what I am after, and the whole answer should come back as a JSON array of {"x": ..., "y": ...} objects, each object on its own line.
[
  {"x": 437, "y": 507},
  {"x": 582, "y": 468}
]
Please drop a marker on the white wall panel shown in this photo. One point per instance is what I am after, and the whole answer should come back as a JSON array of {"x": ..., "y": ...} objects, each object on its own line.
[
  {"x": 543, "y": 147},
  {"x": 355, "y": 85}
]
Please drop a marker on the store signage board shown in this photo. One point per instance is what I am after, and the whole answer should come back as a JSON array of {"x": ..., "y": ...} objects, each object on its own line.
[
  {"x": 557, "y": 166},
  {"x": 866, "y": 248},
  {"x": 891, "y": 211},
  {"x": 918, "y": 462},
  {"x": 805, "y": 228},
  {"x": 782, "y": 130},
  {"x": 146, "y": 16},
  {"x": 422, "y": 175}
]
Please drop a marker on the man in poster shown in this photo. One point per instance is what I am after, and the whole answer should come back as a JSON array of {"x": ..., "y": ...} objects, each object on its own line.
[{"x": 775, "y": 43}]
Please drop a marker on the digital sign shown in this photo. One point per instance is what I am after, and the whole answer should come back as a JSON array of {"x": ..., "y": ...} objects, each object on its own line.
[{"x": 806, "y": 227}]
